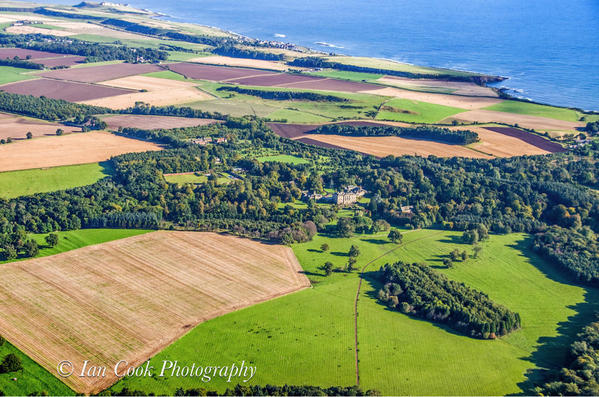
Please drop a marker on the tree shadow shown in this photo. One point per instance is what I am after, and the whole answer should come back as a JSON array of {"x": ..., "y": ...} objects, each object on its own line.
[
  {"x": 552, "y": 352},
  {"x": 314, "y": 250},
  {"x": 453, "y": 240},
  {"x": 339, "y": 253},
  {"x": 107, "y": 167}
]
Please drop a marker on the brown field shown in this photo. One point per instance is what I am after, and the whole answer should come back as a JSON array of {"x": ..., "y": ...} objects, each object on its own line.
[
  {"x": 243, "y": 62},
  {"x": 332, "y": 85},
  {"x": 62, "y": 61},
  {"x": 17, "y": 127},
  {"x": 92, "y": 28},
  {"x": 458, "y": 87},
  {"x": 69, "y": 149},
  {"x": 130, "y": 298},
  {"x": 58, "y": 89},
  {"x": 495, "y": 142},
  {"x": 464, "y": 102},
  {"x": 26, "y": 29},
  {"x": 214, "y": 73},
  {"x": 533, "y": 122},
  {"x": 528, "y": 139},
  {"x": 95, "y": 74},
  {"x": 153, "y": 122},
  {"x": 279, "y": 79},
  {"x": 396, "y": 146},
  {"x": 22, "y": 53},
  {"x": 159, "y": 92}
]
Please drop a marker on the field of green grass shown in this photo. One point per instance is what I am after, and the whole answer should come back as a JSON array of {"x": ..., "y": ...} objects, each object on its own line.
[
  {"x": 39, "y": 180},
  {"x": 182, "y": 179},
  {"x": 415, "y": 111},
  {"x": 73, "y": 239},
  {"x": 32, "y": 380},
  {"x": 307, "y": 337},
  {"x": 533, "y": 109},
  {"x": 391, "y": 65},
  {"x": 343, "y": 75},
  {"x": 283, "y": 158},
  {"x": 8, "y": 74}
]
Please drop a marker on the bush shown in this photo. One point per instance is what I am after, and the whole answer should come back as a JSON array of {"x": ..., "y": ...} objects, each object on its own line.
[{"x": 11, "y": 363}]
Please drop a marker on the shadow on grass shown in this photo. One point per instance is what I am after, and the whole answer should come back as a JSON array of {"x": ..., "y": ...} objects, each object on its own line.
[
  {"x": 551, "y": 353},
  {"x": 107, "y": 167},
  {"x": 339, "y": 253},
  {"x": 453, "y": 240},
  {"x": 378, "y": 241}
]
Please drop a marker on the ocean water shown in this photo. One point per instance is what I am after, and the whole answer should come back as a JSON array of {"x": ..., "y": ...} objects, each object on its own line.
[{"x": 548, "y": 49}]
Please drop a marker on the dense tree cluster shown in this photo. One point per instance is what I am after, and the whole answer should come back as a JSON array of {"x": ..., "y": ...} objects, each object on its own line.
[
  {"x": 418, "y": 290},
  {"x": 236, "y": 52},
  {"x": 14, "y": 242},
  {"x": 268, "y": 390},
  {"x": 580, "y": 377},
  {"x": 94, "y": 52},
  {"x": 592, "y": 127},
  {"x": 577, "y": 252},
  {"x": 320, "y": 62},
  {"x": 20, "y": 63},
  {"x": 458, "y": 137},
  {"x": 51, "y": 109},
  {"x": 284, "y": 95}
]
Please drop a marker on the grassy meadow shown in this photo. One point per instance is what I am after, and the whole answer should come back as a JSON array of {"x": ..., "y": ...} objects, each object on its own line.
[
  {"x": 415, "y": 111},
  {"x": 307, "y": 337},
  {"x": 40, "y": 180},
  {"x": 283, "y": 158},
  {"x": 533, "y": 109},
  {"x": 9, "y": 74}
]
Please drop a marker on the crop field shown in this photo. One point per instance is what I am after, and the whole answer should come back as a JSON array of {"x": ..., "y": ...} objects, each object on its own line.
[
  {"x": 17, "y": 127},
  {"x": 242, "y": 62},
  {"x": 152, "y": 90},
  {"x": 398, "y": 354},
  {"x": 457, "y": 101},
  {"x": 24, "y": 53},
  {"x": 415, "y": 111},
  {"x": 214, "y": 73},
  {"x": 8, "y": 74},
  {"x": 523, "y": 120},
  {"x": 41, "y": 180},
  {"x": 440, "y": 86},
  {"x": 95, "y": 74},
  {"x": 68, "y": 150},
  {"x": 67, "y": 90},
  {"x": 153, "y": 122},
  {"x": 61, "y": 61},
  {"x": 92, "y": 315},
  {"x": 530, "y": 139}
]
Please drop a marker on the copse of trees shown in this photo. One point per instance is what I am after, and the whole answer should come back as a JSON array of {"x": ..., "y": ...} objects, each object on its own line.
[
  {"x": 592, "y": 127},
  {"x": 577, "y": 252},
  {"x": 284, "y": 95},
  {"x": 580, "y": 375},
  {"x": 320, "y": 62},
  {"x": 236, "y": 52},
  {"x": 20, "y": 63},
  {"x": 93, "y": 52},
  {"x": 48, "y": 108},
  {"x": 457, "y": 137},
  {"x": 418, "y": 290}
]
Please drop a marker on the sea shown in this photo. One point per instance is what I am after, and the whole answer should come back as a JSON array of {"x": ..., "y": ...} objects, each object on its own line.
[{"x": 547, "y": 49}]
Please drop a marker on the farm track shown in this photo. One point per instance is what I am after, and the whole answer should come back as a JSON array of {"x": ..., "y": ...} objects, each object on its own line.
[{"x": 358, "y": 296}]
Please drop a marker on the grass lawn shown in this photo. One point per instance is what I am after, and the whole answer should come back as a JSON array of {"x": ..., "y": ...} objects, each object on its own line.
[
  {"x": 415, "y": 111},
  {"x": 167, "y": 74},
  {"x": 8, "y": 74},
  {"x": 39, "y": 180},
  {"x": 32, "y": 380},
  {"x": 195, "y": 179},
  {"x": 533, "y": 109},
  {"x": 73, "y": 239},
  {"x": 283, "y": 158},
  {"x": 307, "y": 337}
]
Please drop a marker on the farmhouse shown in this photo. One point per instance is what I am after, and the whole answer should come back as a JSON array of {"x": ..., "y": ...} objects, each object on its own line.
[{"x": 348, "y": 196}]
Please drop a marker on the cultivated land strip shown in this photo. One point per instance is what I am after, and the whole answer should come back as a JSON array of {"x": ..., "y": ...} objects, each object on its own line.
[{"x": 361, "y": 278}]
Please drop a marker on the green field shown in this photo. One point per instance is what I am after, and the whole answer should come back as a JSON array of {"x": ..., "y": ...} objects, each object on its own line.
[
  {"x": 39, "y": 180},
  {"x": 344, "y": 75},
  {"x": 182, "y": 179},
  {"x": 73, "y": 239},
  {"x": 533, "y": 109},
  {"x": 32, "y": 380},
  {"x": 283, "y": 158},
  {"x": 416, "y": 111},
  {"x": 307, "y": 337},
  {"x": 398, "y": 66},
  {"x": 8, "y": 74}
]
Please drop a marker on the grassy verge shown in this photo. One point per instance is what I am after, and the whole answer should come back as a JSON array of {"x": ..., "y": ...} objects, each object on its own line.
[{"x": 40, "y": 180}]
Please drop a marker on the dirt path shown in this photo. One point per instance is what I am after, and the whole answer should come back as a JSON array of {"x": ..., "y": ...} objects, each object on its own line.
[{"x": 358, "y": 294}]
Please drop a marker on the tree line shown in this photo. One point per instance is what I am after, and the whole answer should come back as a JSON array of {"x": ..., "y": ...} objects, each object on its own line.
[
  {"x": 284, "y": 95},
  {"x": 457, "y": 137},
  {"x": 257, "y": 390},
  {"x": 20, "y": 63},
  {"x": 418, "y": 290},
  {"x": 236, "y": 52}
]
